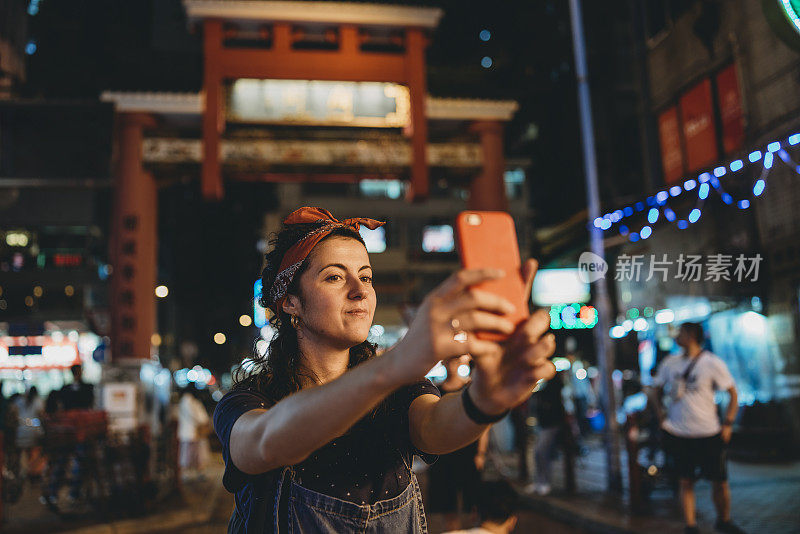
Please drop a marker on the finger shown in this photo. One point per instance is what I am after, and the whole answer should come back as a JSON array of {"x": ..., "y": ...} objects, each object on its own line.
[
  {"x": 475, "y": 299},
  {"x": 545, "y": 371},
  {"x": 477, "y": 320},
  {"x": 482, "y": 350},
  {"x": 539, "y": 353},
  {"x": 531, "y": 330},
  {"x": 529, "y": 270},
  {"x": 465, "y": 278}
]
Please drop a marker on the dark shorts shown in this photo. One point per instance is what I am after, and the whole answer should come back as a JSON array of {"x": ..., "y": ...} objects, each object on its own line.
[{"x": 695, "y": 458}]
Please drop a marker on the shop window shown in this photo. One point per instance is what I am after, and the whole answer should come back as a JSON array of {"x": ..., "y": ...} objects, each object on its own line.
[
  {"x": 393, "y": 189},
  {"x": 515, "y": 183}
]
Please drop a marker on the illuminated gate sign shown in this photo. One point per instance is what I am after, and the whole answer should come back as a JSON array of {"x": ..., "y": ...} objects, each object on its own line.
[{"x": 319, "y": 103}]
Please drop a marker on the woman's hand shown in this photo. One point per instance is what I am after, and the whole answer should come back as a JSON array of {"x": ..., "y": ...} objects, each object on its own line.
[
  {"x": 443, "y": 325},
  {"x": 506, "y": 376}
]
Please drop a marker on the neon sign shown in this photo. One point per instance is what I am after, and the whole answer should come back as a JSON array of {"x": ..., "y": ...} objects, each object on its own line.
[{"x": 572, "y": 316}]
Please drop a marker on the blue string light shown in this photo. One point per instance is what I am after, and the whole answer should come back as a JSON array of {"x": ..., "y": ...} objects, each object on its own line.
[{"x": 704, "y": 180}]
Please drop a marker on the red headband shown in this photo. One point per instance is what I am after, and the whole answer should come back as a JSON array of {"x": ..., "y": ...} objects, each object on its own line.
[{"x": 298, "y": 252}]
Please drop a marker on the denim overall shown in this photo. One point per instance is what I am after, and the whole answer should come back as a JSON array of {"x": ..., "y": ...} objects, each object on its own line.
[{"x": 308, "y": 512}]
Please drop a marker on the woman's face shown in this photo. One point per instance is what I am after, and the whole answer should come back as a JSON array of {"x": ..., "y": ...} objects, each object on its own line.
[{"x": 337, "y": 301}]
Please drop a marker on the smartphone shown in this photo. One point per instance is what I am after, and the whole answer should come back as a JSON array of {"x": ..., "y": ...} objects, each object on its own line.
[{"x": 488, "y": 239}]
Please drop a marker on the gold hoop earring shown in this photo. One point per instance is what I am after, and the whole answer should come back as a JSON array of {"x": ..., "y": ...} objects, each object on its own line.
[{"x": 294, "y": 321}]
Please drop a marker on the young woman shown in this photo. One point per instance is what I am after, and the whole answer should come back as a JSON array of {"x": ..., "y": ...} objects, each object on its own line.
[{"x": 320, "y": 436}]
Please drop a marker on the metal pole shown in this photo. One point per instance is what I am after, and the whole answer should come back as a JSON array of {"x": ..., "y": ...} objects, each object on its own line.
[{"x": 605, "y": 350}]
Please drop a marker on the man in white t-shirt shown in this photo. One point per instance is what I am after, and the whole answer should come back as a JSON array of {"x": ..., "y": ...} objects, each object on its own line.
[{"x": 694, "y": 436}]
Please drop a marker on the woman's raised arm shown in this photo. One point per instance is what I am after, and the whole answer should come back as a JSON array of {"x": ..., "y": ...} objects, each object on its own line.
[
  {"x": 286, "y": 433},
  {"x": 289, "y": 431}
]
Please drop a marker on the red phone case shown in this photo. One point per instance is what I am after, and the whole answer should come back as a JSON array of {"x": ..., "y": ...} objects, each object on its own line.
[{"x": 488, "y": 239}]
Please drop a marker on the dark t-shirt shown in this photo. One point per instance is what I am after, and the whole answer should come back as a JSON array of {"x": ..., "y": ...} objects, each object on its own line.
[
  {"x": 363, "y": 466},
  {"x": 77, "y": 396}
]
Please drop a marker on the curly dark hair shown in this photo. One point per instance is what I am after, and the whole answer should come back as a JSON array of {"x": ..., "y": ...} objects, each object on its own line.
[{"x": 278, "y": 373}]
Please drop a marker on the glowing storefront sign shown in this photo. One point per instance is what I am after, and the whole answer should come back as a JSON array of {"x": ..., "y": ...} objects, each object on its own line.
[
  {"x": 559, "y": 286},
  {"x": 39, "y": 352},
  {"x": 319, "y": 103}
]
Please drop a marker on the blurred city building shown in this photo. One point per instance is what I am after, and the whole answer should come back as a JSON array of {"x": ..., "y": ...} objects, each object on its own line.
[{"x": 720, "y": 83}]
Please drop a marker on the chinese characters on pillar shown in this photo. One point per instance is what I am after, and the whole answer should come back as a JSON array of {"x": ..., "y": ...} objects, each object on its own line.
[{"x": 126, "y": 300}]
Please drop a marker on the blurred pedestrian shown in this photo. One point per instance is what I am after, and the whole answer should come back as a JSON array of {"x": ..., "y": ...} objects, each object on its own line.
[
  {"x": 519, "y": 421},
  {"x": 693, "y": 435},
  {"x": 581, "y": 393},
  {"x": 319, "y": 435},
  {"x": 497, "y": 509},
  {"x": 193, "y": 429},
  {"x": 453, "y": 480},
  {"x": 78, "y": 395},
  {"x": 9, "y": 422},
  {"x": 30, "y": 433},
  {"x": 551, "y": 418}
]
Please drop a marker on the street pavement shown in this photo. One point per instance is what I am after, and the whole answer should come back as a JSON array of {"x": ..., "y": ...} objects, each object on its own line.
[{"x": 765, "y": 499}]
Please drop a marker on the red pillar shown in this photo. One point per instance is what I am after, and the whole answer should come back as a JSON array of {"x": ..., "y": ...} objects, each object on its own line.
[
  {"x": 133, "y": 244},
  {"x": 488, "y": 191},
  {"x": 214, "y": 113},
  {"x": 417, "y": 86}
]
